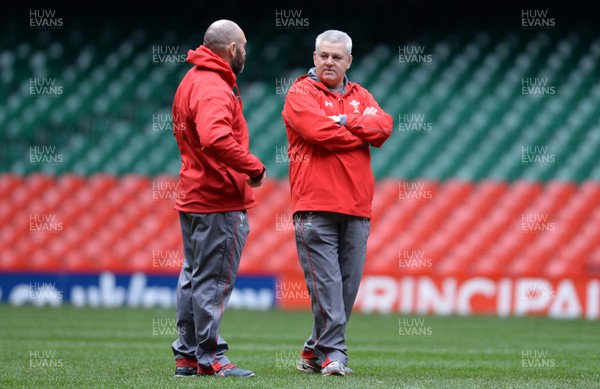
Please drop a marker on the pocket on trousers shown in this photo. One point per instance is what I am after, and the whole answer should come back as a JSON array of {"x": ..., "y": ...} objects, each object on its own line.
[{"x": 225, "y": 264}]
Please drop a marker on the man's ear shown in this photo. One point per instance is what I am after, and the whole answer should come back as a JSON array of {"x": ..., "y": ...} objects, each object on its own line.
[
  {"x": 349, "y": 61},
  {"x": 315, "y": 58},
  {"x": 232, "y": 49}
]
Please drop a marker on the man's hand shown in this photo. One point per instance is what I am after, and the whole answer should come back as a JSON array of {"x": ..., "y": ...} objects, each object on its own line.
[
  {"x": 336, "y": 118},
  {"x": 255, "y": 182},
  {"x": 370, "y": 111}
]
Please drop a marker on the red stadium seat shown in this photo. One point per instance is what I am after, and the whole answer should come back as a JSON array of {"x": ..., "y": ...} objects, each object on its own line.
[{"x": 463, "y": 229}]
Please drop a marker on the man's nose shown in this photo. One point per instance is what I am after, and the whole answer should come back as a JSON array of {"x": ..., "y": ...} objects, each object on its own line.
[{"x": 329, "y": 61}]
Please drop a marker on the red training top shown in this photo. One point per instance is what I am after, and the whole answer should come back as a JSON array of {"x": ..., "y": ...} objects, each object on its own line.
[
  {"x": 212, "y": 136},
  {"x": 330, "y": 163}
]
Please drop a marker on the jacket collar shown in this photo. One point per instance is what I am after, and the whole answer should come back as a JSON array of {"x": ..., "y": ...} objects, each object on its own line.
[
  {"x": 346, "y": 85},
  {"x": 206, "y": 59}
]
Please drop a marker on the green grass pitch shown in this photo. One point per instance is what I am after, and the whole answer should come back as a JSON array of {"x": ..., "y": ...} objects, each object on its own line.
[{"x": 130, "y": 348}]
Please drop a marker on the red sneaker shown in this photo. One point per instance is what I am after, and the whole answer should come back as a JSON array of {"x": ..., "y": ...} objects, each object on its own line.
[
  {"x": 185, "y": 367},
  {"x": 231, "y": 370}
]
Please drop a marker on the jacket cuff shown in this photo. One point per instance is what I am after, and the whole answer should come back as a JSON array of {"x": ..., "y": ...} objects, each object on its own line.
[{"x": 260, "y": 176}]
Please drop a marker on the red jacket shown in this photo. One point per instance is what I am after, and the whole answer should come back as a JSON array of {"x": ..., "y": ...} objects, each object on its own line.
[
  {"x": 330, "y": 163},
  {"x": 212, "y": 136}
]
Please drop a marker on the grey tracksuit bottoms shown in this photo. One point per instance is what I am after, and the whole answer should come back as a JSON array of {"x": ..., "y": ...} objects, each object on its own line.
[
  {"x": 212, "y": 245},
  {"x": 332, "y": 249}
]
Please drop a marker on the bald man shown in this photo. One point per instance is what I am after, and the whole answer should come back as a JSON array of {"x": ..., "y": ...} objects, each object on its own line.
[{"x": 215, "y": 188}]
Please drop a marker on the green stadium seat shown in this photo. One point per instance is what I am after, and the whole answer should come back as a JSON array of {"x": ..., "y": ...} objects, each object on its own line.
[{"x": 470, "y": 93}]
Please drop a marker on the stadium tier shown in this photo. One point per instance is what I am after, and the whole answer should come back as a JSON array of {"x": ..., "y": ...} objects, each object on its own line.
[
  {"x": 471, "y": 107},
  {"x": 82, "y": 224},
  {"x": 492, "y": 169}
]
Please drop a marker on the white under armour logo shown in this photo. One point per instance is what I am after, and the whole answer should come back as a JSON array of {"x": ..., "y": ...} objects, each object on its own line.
[{"x": 328, "y": 104}]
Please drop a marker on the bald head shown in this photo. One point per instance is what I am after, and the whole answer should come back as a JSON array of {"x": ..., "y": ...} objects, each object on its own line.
[
  {"x": 221, "y": 33},
  {"x": 227, "y": 40}
]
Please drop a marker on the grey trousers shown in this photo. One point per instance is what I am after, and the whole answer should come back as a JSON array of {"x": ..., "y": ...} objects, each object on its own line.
[
  {"x": 332, "y": 249},
  {"x": 212, "y": 246}
]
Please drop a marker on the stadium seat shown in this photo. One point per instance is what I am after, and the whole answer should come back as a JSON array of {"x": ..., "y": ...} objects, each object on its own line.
[{"x": 469, "y": 166}]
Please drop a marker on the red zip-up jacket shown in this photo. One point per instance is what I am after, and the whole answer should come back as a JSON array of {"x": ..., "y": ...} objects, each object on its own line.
[
  {"x": 330, "y": 163},
  {"x": 212, "y": 136}
]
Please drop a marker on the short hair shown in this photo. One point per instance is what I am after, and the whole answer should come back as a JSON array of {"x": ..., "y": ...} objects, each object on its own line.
[
  {"x": 335, "y": 36},
  {"x": 220, "y": 34}
]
